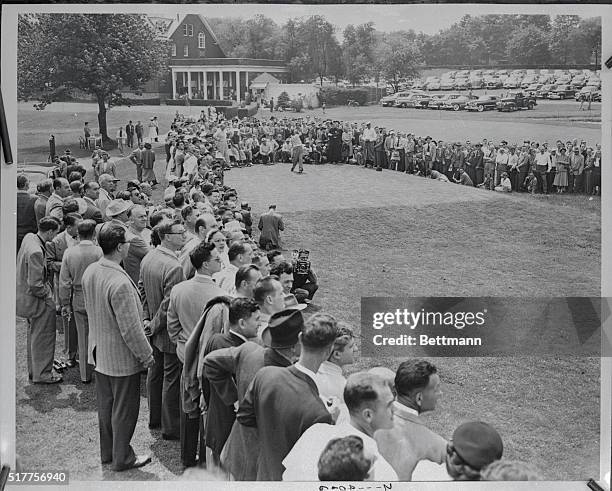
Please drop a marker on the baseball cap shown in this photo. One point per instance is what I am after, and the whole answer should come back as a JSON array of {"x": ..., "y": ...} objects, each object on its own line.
[{"x": 478, "y": 444}]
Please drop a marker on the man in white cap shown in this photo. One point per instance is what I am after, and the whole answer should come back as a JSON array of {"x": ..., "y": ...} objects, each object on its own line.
[
  {"x": 108, "y": 185},
  {"x": 117, "y": 212}
]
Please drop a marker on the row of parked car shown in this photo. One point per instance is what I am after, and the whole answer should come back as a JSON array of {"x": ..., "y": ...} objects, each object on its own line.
[
  {"x": 505, "y": 79},
  {"x": 419, "y": 99}
]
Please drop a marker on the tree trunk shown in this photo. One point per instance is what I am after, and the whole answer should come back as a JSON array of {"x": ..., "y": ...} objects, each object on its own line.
[{"x": 107, "y": 143}]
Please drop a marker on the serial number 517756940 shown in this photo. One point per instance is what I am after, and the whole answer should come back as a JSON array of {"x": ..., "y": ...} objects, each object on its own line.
[{"x": 52, "y": 477}]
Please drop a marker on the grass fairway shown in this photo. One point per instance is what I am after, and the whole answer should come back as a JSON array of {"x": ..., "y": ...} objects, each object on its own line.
[{"x": 389, "y": 234}]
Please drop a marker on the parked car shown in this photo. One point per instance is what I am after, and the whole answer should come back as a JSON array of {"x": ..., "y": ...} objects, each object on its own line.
[
  {"x": 594, "y": 82},
  {"x": 437, "y": 103},
  {"x": 409, "y": 101},
  {"x": 578, "y": 82},
  {"x": 585, "y": 91},
  {"x": 476, "y": 83},
  {"x": 423, "y": 101},
  {"x": 434, "y": 85},
  {"x": 461, "y": 84},
  {"x": 515, "y": 101},
  {"x": 562, "y": 92},
  {"x": 545, "y": 90},
  {"x": 389, "y": 100},
  {"x": 418, "y": 85},
  {"x": 533, "y": 88},
  {"x": 528, "y": 80},
  {"x": 483, "y": 103},
  {"x": 512, "y": 83},
  {"x": 447, "y": 84},
  {"x": 494, "y": 83},
  {"x": 458, "y": 103}
]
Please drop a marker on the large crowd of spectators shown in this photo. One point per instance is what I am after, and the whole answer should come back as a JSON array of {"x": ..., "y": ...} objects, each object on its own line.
[{"x": 242, "y": 367}]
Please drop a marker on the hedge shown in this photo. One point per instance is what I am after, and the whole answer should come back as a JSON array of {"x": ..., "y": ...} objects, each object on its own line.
[
  {"x": 240, "y": 112},
  {"x": 339, "y": 96},
  {"x": 199, "y": 102}
]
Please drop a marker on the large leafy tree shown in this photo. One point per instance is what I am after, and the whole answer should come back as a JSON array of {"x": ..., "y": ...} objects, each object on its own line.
[
  {"x": 398, "y": 57},
  {"x": 358, "y": 51},
  {"x": 99, "y": 54},
  {"x": 528, "y": 45}
]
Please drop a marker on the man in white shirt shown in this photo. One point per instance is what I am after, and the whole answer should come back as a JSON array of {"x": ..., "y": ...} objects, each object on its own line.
[
  {"x": 330, "y": 380},
  {"x": 543, "y": 165},
  {"x": 369, "y": 139},
  {"x": 239, "y": 254},
  {"x": 370, "y": 403}
]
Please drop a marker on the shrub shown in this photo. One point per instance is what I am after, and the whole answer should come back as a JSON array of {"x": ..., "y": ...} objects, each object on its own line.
[
  {"x": 297, "y": 105},
  {"x": 339, "y": 96}
]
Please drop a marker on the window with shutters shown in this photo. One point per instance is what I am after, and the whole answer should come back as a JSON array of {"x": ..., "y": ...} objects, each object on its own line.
[
  {"x": 201, "y": 41},
  {"x": 188, "y": 30}
]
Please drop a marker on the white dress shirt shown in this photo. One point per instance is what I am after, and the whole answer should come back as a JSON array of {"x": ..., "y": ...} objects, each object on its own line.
[{"x": 301, "y": 463}]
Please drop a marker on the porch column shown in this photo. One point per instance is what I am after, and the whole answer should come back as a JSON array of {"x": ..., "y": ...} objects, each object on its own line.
[
  {"x": 189, "y": 83},
  {"x": 173, "y": 84},
  {"x": 205, "y": 85},
  {"x": 238, "y": 86},
  {"x": 220, "y": 85}
]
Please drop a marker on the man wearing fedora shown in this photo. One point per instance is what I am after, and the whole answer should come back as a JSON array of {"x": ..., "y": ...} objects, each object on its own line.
[
  {"x": 244, "y": 320},
  {"x": 282, "y": 403},
  {"x": 410, "y": 441},
  {"x": 230, "y": 372}
]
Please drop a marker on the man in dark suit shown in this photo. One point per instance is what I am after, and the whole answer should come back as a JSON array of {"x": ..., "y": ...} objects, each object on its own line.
[
  {"x": 26, "y": 216},
  {"x": 43, "y": 192},
  {"x": 129, "y": 132},
  {"x": 270, "y": 225},
  {"x": 160, "y": 270},
  {"x": 117, "y": 346},
  {"x": 35, "y": 302},
  {"x": 139, "y": 129},
  {"x": 284, "y": 402},
  {"x": 230, "y": 372},
  {"x": 244, "y": 319}
]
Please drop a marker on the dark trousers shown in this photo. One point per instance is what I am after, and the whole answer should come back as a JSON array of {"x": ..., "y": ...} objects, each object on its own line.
[
  {"x": 71, "y": 345},
  {"x": 540, "y": 174},
  {"x": 190, "y": 439},
  {"x": 163, "y": 388},
  {"x": 575, "y": 183},
  {"x": 550, "y": 178},
  {"x": 479, "y": 171},
  {"x": 118, "y": 401},
  {"x": 130, "y": 140},
  {"x": 41, "y": 343}
]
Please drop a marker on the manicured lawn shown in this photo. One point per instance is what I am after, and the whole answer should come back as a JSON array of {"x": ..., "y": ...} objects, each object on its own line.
[{"x": 389, "y": 234}]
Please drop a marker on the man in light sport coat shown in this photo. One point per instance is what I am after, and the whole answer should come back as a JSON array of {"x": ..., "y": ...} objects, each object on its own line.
[
  {"x": 118, "y": 346},
  {"x": 160, "y": 270},
  {"x": 35, "y": 302},
  {"x": 410, "y": 441},
  {"x": 187, "y": 301}
]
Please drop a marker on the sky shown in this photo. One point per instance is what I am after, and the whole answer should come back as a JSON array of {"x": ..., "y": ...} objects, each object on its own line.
[{"x": 426, "y": 18}]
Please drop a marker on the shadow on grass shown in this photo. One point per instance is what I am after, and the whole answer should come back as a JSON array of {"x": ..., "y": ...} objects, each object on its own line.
[{"x": 168, "y": 454}]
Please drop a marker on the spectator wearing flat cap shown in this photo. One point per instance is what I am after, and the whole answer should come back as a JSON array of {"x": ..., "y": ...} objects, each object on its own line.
[
  {"x": 474, "y": 446},
  {"x": 230, "y": 372}
]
